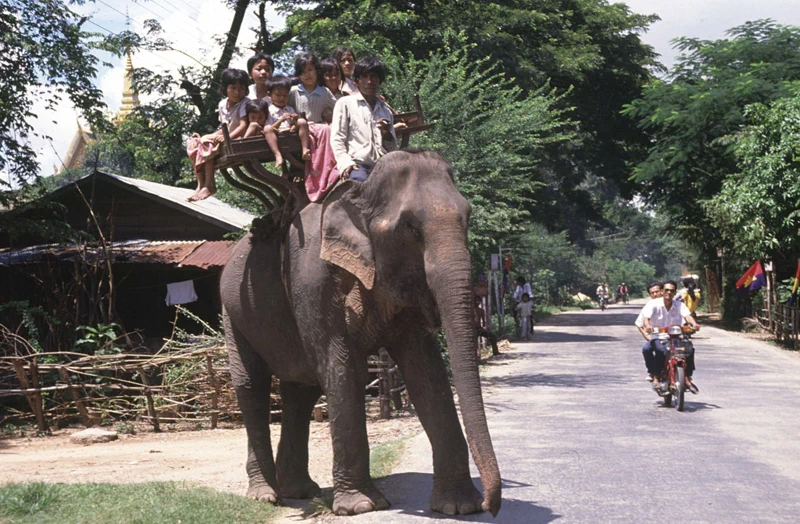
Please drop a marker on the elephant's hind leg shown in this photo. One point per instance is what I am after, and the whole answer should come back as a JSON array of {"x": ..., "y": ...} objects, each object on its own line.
[
  {"x": 252, "y": 380},
  {"x": 293, "y": 479}
]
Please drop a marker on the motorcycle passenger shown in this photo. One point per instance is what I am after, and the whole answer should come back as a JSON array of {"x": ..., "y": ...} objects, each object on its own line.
[
  {"x": 690, "y": 295},
  {"x": 654, "y": 290},
  {"x": 664, "y": 312}
]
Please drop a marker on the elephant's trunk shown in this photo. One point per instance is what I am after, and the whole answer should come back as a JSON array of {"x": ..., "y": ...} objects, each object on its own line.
[{"x": 449, "y": 277}]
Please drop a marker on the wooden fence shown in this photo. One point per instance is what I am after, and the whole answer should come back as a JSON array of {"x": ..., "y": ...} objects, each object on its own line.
[
  {"x": 186, "y": 381},
  {"x": 783, "y": 321}
]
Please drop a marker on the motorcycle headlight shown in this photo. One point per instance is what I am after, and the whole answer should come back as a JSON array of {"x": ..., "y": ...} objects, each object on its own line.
[{"x": 675, "y": 330}]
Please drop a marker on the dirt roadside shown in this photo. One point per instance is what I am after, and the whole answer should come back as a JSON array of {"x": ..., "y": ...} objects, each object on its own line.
[{"x": 212, "y": 458}]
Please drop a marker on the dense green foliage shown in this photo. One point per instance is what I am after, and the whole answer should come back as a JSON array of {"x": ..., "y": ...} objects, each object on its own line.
[
  {"x": 477, "y": 115},
  {"x": 758, "y": 209},
  {"x": 126, "y": 503},
  {"x": 693, "y": 115}
]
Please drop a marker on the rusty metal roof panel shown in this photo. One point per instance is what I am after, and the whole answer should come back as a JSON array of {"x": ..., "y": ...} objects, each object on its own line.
[
  {"x": 210, "y": 254},
  {"x": 127, "y": 252},
  {"x": 166, "y": 252}
]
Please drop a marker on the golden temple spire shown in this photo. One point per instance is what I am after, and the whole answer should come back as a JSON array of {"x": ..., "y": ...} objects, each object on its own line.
[{"x": 130, "y": 99}]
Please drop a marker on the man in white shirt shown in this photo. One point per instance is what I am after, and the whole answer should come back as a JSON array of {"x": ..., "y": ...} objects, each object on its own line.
[
  {"x": 665, "y": 312},
  {"x": 362, "y": 129}
]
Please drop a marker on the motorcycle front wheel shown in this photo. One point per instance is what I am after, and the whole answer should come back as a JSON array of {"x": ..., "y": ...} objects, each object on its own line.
[{"x": 680, "y": 377}]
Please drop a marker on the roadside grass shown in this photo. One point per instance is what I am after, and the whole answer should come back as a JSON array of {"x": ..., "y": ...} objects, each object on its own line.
[
  {"x": 383, "y": 458},
  {"x": 163, "y": 502},
  {"x": 545, "y": 311}
]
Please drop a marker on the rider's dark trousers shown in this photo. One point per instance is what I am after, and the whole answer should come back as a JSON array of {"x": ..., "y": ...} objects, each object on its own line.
[{"x": 655, "y": 354}]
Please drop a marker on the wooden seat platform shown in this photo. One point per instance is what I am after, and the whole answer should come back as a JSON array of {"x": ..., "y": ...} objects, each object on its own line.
[{"x": 241, "y": 164}]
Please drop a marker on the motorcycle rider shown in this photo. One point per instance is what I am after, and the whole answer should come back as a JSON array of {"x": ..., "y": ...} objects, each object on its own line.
[
  {"x": 654, "y": 290},
  {"x": 664, "y": 312},
  {"x": 602, "y": 292},
  {"x": 622, "y": 293}
]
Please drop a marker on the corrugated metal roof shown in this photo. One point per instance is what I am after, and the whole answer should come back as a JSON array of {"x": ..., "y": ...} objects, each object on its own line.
[
  {"x": 210, "y": 254},
  {"x": 127, "y": 252},
  {"x": 209, "y": 209}
]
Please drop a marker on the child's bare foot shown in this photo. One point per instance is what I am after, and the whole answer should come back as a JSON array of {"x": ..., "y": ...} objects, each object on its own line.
[
  {"x": 306, "y": 155},
  {"x": 202, "y": 195},
  {"x": 278, "y": 161}
]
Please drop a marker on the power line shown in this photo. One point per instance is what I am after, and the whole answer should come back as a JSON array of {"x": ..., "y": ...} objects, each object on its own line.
[{"x": 151, "y": 11}]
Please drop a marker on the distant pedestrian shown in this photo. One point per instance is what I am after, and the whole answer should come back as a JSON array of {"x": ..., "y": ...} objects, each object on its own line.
[{"x": 525, "y": 309}]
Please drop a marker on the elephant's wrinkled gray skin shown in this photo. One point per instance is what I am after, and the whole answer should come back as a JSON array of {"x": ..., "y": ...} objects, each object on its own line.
[{"x": 379, "y": 264}]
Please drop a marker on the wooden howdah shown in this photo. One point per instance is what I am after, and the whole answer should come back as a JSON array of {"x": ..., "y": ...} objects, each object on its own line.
[{"x": 283, "y": 196}]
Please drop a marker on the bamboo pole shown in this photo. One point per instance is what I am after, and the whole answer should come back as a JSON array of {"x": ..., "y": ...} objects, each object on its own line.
[
  {"x": 19, "y": 368},
  {"x": 212, "y": 380},
  {"x": 38, "y": 404},
  {"x": 76, "y": 396},
  {"x": 151, "y": 408},
  {"x": 385, "y": 386}
]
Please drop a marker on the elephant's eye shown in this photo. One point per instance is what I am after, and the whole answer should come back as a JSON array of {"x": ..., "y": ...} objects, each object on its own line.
[{"x": 413, "y": 230}]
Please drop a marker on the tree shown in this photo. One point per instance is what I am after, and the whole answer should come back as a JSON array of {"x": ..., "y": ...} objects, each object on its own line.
[
  {"x": 758, "y": 209},
  {"x": 692, "y": 115},
  {"x": 477, "y": 114},
  {"x": 588, "y": 51},
  {"x": 47, "y": 56}
]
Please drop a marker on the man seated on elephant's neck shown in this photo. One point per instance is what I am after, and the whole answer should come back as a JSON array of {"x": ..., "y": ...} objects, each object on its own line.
[{"x": 362, "y": 130}]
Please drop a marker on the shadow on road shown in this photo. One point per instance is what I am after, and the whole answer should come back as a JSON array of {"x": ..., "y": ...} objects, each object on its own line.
[
  {"x": 415, "y": 488},
  {"x": 691, "y": 407},
  {"x": 557, "y": 336},
  {"x": 552, "y": 380}
]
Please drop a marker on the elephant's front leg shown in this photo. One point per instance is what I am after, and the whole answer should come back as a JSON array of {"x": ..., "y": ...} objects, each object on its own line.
[
  {"x": 344, "y": 384},
  {"x": 417, "y": 355}
]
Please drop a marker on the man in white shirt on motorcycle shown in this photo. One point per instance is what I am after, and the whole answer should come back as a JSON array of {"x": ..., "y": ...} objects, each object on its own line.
[
  {"x": 602, "y": 291},
  {"x": 664, "y": 312}
]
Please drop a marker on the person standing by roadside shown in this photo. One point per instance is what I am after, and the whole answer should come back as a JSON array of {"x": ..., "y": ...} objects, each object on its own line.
[{"x": 522, "y": 288}]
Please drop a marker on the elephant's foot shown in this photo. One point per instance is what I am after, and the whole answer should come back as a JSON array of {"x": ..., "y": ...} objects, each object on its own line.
[
  {"x": 299, "y": 489},
  {"x": 455, "y": 497},
  {"x": 262, "y": 492},
  {"x": 352, "y": 502}
]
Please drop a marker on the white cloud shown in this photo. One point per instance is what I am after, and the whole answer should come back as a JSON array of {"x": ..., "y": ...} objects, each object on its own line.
[
  {"x": 707, "y": 19},
  {"x": 191, "y": 31}
]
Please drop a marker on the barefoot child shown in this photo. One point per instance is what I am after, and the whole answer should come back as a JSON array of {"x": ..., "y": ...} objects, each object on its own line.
[
  {"x": 260, "y": 123},
  {"x": 231, "y": 112},
  {"x": 283, "y": 117}
]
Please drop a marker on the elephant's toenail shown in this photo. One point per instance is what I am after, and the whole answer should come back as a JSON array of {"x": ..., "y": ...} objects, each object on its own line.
[
  {"x": 449, "y": 509},
  {"x": 362, "y": 507}
]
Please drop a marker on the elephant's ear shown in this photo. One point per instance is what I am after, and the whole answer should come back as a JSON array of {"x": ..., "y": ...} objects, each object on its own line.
[{"x": 345, "y": 238}]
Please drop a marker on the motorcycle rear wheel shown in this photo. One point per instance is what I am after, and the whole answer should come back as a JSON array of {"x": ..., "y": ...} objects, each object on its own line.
[{"x": 681, "y": 379}]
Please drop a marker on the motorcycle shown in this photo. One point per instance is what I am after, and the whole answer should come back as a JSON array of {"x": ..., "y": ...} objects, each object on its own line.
[
  {"x": 672, "y": 382},
  {"x": 601, "y": 300}
]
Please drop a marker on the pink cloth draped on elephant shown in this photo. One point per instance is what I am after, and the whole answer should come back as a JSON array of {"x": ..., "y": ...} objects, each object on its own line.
[{"x": 321, "y": 172}]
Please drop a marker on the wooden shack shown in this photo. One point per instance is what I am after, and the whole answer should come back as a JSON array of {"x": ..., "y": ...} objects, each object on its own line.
[{"x": 138, "y": 237}]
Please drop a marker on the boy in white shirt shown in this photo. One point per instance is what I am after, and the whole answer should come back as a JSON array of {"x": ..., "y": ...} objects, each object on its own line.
[{"x": 283, "y": 117}]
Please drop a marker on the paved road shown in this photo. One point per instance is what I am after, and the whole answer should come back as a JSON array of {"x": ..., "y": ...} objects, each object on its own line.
[{"x": 580, "y": 436}]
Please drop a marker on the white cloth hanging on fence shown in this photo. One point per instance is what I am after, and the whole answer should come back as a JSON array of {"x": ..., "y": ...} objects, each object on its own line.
[{"x": 181, "y": 293}]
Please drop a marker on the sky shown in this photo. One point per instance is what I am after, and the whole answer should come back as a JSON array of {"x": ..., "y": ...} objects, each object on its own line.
[{"x": 191, "y": 24}]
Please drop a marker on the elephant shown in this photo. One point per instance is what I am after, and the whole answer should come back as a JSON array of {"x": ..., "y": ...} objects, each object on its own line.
[{"x": 378, "y": 264}]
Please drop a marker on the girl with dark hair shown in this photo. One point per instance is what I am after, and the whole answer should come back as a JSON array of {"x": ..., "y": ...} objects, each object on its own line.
[
  {"x": 260, "y": 66},
  {"x": 347, "y": 62},
  {"x": 232, "y": 111},
  {"x": 331, "y": 77},
  {"x": 308, "y": 97}
]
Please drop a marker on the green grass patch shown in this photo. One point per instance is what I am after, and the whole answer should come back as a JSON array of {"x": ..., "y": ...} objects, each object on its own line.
[
  {"x": 163, "y": 502},
  {"x": 384, "y": 457}
]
